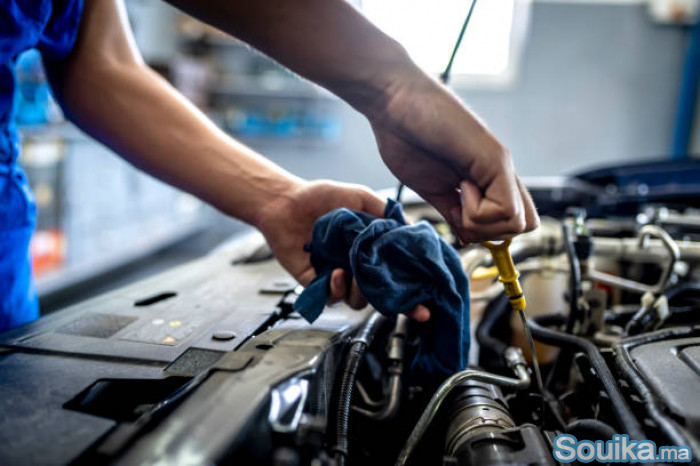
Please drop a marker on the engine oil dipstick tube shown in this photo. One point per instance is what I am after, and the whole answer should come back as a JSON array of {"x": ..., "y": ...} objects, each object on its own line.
[{"x": 508, "y": 275}]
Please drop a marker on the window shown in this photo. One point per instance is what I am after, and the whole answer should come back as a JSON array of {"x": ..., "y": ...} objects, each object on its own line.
[{"x": 428, "y": 30}]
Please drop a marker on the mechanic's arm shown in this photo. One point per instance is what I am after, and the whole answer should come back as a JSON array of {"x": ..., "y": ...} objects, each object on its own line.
[
  {"x": 426, "y": 136},
  {"x": 106, "y": 89}
]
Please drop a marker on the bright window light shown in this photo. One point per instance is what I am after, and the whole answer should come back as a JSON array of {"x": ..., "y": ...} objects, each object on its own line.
[{"x": 428, "y": 30}]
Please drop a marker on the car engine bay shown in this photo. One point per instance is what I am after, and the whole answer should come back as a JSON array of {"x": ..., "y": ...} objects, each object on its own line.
[{"x": 209, "y": 363}]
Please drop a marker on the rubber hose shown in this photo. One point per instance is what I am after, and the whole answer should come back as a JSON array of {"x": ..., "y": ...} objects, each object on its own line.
[
  {"x": 574, "y": 278},
  {"x": 590, "y": 429},
  {"x": 358, "y": 347},
  {"x": 620, "y": 407},
  {"x": 493, "y": 312},
  {"x": 681, "y": 289}
]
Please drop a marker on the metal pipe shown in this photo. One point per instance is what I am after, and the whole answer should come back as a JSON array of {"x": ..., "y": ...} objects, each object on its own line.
[
  {"x": 547, "y": 240},
  {"x": 391, "y": 405},
  {"x": 397, "y": 345},
  {"x": 617, "y": 282},
  {"x": 671, "y": 246},
  {"x": 667, "y": 217},
  {"x": 516, "y": 361},
  {"x": 628, "y": 249},
  {"x": 671, "y": 250}
]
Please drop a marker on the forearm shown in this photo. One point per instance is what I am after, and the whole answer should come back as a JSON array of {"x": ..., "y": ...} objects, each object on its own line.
[
  {"x": 326, "y": 41},
  {"x": 136, "y": 113}
]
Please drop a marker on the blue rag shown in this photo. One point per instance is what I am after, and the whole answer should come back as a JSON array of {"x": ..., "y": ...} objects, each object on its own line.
[{"x": 397, "y": 267}]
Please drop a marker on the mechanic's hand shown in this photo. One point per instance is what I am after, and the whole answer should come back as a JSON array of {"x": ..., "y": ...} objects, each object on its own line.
[
  {"x": 287, "y": 225},
  {"x": 437, "y": 147}
]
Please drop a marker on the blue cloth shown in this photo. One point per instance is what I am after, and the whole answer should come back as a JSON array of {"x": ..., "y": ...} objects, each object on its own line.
[
  {"x": 397, "y": 267},
  {"x": 51, "y": 26}
]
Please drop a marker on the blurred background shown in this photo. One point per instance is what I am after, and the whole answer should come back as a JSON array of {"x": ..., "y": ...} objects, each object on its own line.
[{"x": 566, "y": 85}]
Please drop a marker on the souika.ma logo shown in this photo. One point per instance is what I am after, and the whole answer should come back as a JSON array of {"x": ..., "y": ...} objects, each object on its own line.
[{"x": 618, "y": 450}]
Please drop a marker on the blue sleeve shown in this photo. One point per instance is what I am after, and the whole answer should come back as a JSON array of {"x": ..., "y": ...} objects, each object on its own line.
[{"x": 59, "y": 34}]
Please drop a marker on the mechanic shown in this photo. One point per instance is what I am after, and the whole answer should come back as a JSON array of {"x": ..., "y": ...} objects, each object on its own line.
[{"x": 426, "y": 137}]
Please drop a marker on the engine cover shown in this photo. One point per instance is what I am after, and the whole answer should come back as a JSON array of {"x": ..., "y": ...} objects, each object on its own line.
[{"x": 672, "y": 370}]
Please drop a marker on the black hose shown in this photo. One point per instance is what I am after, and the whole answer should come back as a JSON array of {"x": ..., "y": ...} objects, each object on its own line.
[
  {"x": 622, "y": 411},
  {"x": 358, "y": 347},
  {"x": 574, "y": 278},
  {"x": 624, "y": 361},
  {"x": 563, "y": 362},
  {"x": 681, "y": 289},
  {"x": 590, "y": 429},
  {"x": 645, "y": 318},
  {"x": 484, "y": 332},
  {"x": 677, "y": 315}
]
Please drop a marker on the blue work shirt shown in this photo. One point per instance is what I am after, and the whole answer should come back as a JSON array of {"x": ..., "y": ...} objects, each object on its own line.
[{"x": 51, "y": 27}]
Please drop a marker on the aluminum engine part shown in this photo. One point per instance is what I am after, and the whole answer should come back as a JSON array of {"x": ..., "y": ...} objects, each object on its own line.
[
  {"x": 481, "y": 431},
  {"x": 478, "y": 408}
]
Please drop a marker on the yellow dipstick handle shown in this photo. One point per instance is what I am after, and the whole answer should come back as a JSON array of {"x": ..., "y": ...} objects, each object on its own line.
[
  {"x": 507, "y": 273},
  {"x": 484, "y": 273}
]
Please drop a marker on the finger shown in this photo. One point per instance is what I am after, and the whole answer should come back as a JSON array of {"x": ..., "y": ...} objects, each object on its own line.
[
  {"x": 306, "y": 277},
  {"x": 481, "y": 218},
  {"x": 462, "y": 227},
  {"x": 420, "y": 313},
  {"x": 499, "y": 231},
  {"x": 467, "y": 230},
  {"x": 532, "y": 218},
  {"x": 355, "y": 299},
  {"x": 502, "y": 201},
  {"x": 449, "y": 205},
  {"x": 478, "y": 208},
  {"x": 372, "y": 204},
  {"x": 338, "y": 288}
]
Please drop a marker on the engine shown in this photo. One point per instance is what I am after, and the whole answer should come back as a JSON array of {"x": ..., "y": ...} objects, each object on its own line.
[{"x": 209, "y": 364}]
